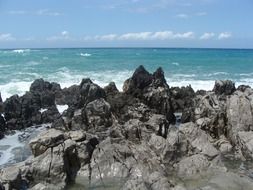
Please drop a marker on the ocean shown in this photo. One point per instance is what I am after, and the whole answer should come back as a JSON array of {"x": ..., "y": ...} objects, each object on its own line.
[{"x": 182, "y": 66}]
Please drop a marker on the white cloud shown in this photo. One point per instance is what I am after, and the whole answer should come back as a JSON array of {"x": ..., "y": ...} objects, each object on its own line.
[
  {"x": 224, "y": 35},
  {"x": 183, "y": 16},
  {"x": 201, "y": 14},
  {"x": 46, "y": 12},
  {"x": 6, "y": 37},
  {"x": 186, "y": 35},
  {"x": 108, "y": 37},
  {"x": 207, "y": 35},
  {"x": 136, "y": 36},
  {"x": 160, "y": 35}
]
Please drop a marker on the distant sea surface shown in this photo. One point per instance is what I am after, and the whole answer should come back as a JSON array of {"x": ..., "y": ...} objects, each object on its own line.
[{"x": 197, "y": 67}]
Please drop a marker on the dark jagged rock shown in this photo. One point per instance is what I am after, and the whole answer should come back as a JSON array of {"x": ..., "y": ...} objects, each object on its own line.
[
  {"x": 89, "y": 92},
  {"x": 111, "y": 88},
  {"x": 226, "y": 87},
  {"x": 140, "y": 79},
  {"x": 243, "y": 88},
  {"x": 152, "y": 90},
  {"x": 158, "y": 78},
  {"x": 69, "y": 96},
  {"x": 182, "y": 98},
  {"x": 12, "y": 107}
]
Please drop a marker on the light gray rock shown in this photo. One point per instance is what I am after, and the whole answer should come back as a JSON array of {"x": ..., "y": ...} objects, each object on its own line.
[
  {"x": 239, "y": 114},
  {"x": 246, "y": 143},
  {"x": 192, "y": 166},
  {"x": 45, "y": 140}
]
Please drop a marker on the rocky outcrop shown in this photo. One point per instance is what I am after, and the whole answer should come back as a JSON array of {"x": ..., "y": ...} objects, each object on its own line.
[
  {"x": 130, "y": 136},
  {"x": 152, "y": 90}
]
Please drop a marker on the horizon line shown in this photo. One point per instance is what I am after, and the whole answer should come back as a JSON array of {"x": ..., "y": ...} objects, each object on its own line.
[{"x": 130, "y": 47}]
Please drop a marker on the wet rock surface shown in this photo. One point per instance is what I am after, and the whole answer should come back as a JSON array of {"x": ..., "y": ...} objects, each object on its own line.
[{"x": 148, "y": 137}]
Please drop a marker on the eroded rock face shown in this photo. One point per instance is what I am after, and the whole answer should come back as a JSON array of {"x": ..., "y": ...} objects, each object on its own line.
[{"x": 225, "y": 87}]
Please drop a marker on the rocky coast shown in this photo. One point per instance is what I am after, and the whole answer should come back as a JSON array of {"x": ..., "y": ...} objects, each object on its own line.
[{"x": 150, "y": 136}]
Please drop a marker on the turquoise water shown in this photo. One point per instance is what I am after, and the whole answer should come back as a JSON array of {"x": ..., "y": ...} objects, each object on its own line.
[{"x": 198, "y": 67}]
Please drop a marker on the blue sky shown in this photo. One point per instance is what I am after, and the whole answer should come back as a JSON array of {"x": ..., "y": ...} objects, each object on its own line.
[{"x": 126, "y": 23}]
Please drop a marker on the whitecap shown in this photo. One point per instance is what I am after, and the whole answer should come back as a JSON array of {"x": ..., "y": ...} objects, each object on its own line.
[
  {"x": 33, "y": 63},
  {"x": 175, "y": 63},
  {"x": 217, "y": 73},
  {"x": 21, "y": 50},
  {"x": 13, "y": 87},
  {"x": 85, "y": 54},
  {"x": 195, "y": 84},
  {"x": 184, "y": 75}
]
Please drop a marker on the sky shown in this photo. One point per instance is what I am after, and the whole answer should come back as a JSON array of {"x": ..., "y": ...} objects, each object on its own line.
[{"x": 126, "y": 23}]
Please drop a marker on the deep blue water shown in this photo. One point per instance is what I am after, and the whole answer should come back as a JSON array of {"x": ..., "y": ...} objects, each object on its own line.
[{"x": 198, "y": 67}]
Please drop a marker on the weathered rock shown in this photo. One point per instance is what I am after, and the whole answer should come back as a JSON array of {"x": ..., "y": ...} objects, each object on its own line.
[
  {"x": 90, "y": 92},
  {"x": 239, "y": 114},
  {"x": 210, "y": 114},
  {"x": 12, "y": 179},
  {"x": 57, "y": 165},
  {"x": 246, "y": 143},
  {"x": 46, "y": 140},
  {"x": 225, "y": 87},
  {"x": 152, "y": 90},
  {"x": 140, "y": 79},
  {"x": 12, "y": 107},
  {"x": 182, "y": 98},
  {"x": 125, "y": 160},
  {"x": 98, "y": 112},
  {"x": 46, "y": 92},
  {"x": 111, "y": 88},
  {"x": 192, "y": 165},
  {"x": 198, "y": 140},
  {"x": 70, "y": 96},
  {"x": 243, "y": 88}
]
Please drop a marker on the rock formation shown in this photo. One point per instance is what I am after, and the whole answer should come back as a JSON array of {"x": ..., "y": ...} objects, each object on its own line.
[{"x": 131, "y": 136}]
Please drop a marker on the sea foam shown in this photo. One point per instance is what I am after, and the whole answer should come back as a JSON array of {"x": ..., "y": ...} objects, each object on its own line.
[{"x": 85, "y": 54}]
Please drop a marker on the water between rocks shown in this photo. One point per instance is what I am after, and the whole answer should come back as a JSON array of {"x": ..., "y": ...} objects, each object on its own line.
[{"x": 14, "y": 147}]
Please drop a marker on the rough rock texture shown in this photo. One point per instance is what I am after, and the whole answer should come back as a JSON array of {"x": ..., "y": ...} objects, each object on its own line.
[
  {"x": 226, "y": 87},
  {"x": 131, "y": 137},
  {"x": 152, "y": 90}
]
